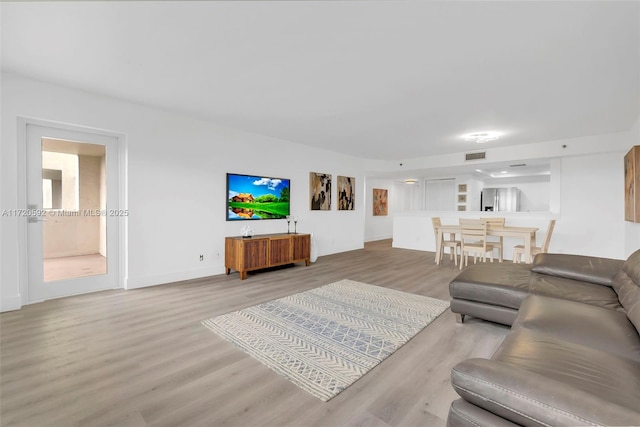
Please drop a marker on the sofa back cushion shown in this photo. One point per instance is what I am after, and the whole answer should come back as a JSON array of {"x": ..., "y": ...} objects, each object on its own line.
[
  {"x": 596, "y": 270},
  {"x": 626, "y": 283}
]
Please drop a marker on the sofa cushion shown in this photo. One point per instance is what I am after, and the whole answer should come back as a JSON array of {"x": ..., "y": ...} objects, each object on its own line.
[
  {"x": 578, "y": 267},
  {"x": 627, "y": 285},
  {"x": 507, "y": 285},
  {"x": 595, "y": 327},
  {"x": 537, "y": 379},
  {"x": 490, "y": 312},
  {"x": 501, "y": 284},
  {"x": 464, "y": 414},
  {"x": 574, "y": 290}
]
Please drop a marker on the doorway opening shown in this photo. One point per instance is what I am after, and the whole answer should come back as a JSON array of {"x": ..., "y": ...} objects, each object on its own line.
[
  {"x": 74, "y": 185},
  {"x": 76, "y": 210}
]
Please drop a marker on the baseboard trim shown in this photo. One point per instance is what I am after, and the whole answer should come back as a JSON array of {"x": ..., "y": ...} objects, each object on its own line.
[
  {"x": 163, "y": 279},
  {"x": 11, "y": 303},
  {"x": 377, "y": 238}
]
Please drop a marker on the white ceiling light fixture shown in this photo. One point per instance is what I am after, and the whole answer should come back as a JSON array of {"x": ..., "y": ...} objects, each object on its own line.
[
  {"x": 411, "y": 181},
  {"x": 482, "y": 137}
]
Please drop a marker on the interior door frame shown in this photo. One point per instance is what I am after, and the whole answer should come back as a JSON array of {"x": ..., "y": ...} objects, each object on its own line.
[{"x": 23, "y": 249}]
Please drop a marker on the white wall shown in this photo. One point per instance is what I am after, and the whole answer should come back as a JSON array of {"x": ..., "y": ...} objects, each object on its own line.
[
  {"x": 381, "y": 227},
  {"x": 176, "y": 184},
  {"x": 474, "y": 188},
  {"x": 402, "y": 198},
  {"x": 440, "y": 194},
  {"x": 592, "y": 210},
  {"x": 592, "y": 202}
]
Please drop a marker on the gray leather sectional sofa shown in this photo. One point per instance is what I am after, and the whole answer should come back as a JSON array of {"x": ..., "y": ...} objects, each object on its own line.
[{"x": 573, "y": 354}]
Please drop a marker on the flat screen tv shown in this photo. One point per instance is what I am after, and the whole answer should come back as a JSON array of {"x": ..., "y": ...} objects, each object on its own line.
[{"x": 251, "y": 197}]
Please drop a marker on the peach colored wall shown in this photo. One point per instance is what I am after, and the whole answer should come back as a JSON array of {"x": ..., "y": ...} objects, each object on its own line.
[
  {"x": 68, "y": 165},
  {"x": 66, "y": 235},
  {"x": 103, "y": 206}
]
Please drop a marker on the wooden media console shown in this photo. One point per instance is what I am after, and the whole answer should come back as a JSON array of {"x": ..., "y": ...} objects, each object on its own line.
[{"x": 264, "y": 251}]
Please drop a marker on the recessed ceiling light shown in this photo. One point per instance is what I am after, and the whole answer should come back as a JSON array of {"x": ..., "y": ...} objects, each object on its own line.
[{"x": 481, "y": 137}]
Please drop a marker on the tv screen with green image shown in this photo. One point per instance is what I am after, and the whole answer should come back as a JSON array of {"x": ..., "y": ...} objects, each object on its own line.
[{"x": 252, "y": 197}]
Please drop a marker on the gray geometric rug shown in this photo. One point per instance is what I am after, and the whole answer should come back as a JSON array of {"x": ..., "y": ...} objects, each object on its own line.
[{"x": 326, "y": 338}]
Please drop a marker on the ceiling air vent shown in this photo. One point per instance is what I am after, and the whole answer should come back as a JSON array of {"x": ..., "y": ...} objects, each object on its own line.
[{"x": 475, "y": 156}]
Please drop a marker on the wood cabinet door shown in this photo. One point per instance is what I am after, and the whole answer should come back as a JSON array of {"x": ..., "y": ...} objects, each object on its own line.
[
  {"x": 301, "y": 247},
  {"x": 280, "y": 251},
  {"x": 254, "y": 253}
]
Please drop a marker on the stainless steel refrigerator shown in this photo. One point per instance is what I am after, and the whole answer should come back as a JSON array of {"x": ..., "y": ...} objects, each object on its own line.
[{"x": 500, "y": 199}]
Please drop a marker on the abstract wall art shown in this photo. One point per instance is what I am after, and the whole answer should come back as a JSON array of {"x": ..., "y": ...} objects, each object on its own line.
[
  {"x": 320, "y": 191},
  {"x": 632, "y": 185},
  {"x": 346, "y": 193},
  {"x": 380, "y": 205}
]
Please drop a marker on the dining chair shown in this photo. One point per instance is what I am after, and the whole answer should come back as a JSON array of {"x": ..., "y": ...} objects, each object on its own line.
[
  {"x": 499, "y": 243},
  {"x": 474, "y": 240},
  {"x": 518, "y": 250},
  {"x": 452, "y": 243}
]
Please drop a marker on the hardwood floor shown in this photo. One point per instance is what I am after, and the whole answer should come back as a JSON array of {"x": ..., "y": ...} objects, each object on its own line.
[{"x": 142, "y": 358}]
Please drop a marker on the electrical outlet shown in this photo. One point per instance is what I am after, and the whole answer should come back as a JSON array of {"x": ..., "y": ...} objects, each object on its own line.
[{"x": 201, "y": 257}]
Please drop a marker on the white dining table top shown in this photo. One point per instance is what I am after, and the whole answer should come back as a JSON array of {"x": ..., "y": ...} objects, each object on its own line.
[{"x": 455, "y": 228}]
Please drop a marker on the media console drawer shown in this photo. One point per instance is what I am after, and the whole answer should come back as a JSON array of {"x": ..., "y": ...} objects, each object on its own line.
[{"x": 264, "y": 251}]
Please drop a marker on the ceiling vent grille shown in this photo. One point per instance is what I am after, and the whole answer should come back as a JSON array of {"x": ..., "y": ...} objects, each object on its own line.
[{"x": 475, "y": 156}]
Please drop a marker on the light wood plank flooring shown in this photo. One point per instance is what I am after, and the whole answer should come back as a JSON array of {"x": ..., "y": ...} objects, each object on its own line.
[{"x": 141, "y": 357}]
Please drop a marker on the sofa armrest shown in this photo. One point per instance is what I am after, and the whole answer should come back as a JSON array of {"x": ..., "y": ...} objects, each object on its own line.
[
  {"x": 578, "y": 267},
  {"x": 527, "y": 398}
]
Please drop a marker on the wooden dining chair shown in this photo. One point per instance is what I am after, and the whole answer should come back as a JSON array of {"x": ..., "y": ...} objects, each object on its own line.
[
  {"x": 474, "y": 240},
  {"x": 518, "y": 250},
  {"x": 499, "y": 243},
  {"x": 452, "y": 243}
]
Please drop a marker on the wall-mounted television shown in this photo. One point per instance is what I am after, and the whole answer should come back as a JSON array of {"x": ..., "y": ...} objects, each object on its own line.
[{"x": 251, "y": 197}]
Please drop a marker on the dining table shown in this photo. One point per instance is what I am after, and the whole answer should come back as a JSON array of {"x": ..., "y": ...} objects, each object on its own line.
[{"x": 528, "y": 234}]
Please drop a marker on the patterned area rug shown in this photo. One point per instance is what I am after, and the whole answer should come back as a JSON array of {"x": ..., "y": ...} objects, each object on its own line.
[{"x": 326, "y": 338}]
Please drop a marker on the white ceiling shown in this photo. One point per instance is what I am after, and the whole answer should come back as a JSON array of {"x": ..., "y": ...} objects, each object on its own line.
[{"x": 375, "y": 79}]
